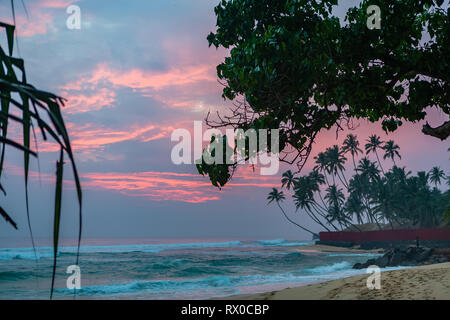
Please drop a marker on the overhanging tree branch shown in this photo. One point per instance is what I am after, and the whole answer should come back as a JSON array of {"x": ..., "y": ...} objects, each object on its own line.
[{"x": 442, "y": 132}]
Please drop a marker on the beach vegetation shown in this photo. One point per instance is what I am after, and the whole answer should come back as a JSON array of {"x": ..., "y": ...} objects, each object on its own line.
[
  {"x": 33, "y": 111},
  {"x": 392, "y": 199}
]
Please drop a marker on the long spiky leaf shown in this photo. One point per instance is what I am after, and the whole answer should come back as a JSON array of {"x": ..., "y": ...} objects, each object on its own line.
[
  {"x": 57, "y": 216},
  {"x": 8, "y": 218},
  {"x": 10, "y": 84}
]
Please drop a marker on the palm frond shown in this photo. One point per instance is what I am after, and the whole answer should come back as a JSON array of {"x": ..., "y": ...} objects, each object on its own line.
[{"x": 16, "y": 94}]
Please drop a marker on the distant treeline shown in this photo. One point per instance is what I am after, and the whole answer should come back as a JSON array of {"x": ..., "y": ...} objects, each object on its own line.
[{"x": 392, "y": 198}]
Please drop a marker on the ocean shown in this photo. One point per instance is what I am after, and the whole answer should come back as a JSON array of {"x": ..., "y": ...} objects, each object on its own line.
[{"x": 170, "y": 269}]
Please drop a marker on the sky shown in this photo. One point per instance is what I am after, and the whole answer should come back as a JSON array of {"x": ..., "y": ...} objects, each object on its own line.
[{"x": 134, "y": 72}]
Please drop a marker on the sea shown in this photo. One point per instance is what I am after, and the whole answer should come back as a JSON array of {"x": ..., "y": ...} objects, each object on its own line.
[{"x": 169, "y": 268}]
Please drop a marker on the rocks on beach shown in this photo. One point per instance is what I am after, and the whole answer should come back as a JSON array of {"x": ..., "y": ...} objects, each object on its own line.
[{"x": 411, "y": 256}]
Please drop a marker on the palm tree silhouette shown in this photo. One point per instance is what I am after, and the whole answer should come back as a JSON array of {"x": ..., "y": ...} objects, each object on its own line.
[
  {"x": 287, "y": 179},
  {"x": 391, "y": 151},
  {"x": 400, "y": 174},
  {"x": 373, "y": 144},
  {"x": 368, "y": 174},
  {"x": 322, "y": 165},
  {"x": 351, "y": 144},
  {"x": 304, "y": 189},
  {"x": 317, "y": 179},
  {"x": 436, "y": 174},
  {"x": 355, "y": 207},
  {"x": 383, "y": 200},
  {"x": 369, "y": 169},
  {"x": 335, "y": 160},
  {"x": 278, "y": 196},
  {"x": 335, "y": 198},
  {"x": 423, "y": 177}
]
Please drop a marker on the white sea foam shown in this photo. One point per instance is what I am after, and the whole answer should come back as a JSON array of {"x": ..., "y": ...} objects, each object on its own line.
[{"x": 47, "y": 252}]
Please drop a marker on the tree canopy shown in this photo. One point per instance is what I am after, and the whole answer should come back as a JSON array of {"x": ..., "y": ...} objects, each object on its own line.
[{"x": 294, "y": 66}]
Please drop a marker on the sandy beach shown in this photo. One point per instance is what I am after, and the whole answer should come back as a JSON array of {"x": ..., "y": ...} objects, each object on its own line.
[{"x": 418, "y": 283}]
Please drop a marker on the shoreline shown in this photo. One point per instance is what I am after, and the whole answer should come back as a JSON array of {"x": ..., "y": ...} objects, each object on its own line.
[
  {"x": 321, "y": 248},
  {"x": 416, "y": 283}
]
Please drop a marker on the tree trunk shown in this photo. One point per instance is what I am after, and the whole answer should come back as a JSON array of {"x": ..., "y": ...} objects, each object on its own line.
[
  {"x": 379, "y": 162},
  {"x": 323, "y": 216},
  {"x": 293, "y": 222},
  {"x": 317, "y": 220}
]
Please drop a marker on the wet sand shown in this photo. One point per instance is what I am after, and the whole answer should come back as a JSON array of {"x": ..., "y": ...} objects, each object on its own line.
[{"x": 333, "y": 249}]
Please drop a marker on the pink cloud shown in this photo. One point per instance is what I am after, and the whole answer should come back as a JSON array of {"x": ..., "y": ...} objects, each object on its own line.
[
  {"x": 180, "y": 87},
  {"x": 41, "y": 17},
  {"x": 39, "y": 25},
  {"x": 89, "y": 136},
  {"x": 90, "y": 139},
  {"x": 55, "y": 3},
  {"x": 153, "y": 185},
  {"x": 141, "y": 79},
  {"x": 80, "y": 102},
  {"x": 162, "y": 186},
  {"x": 157, "y": 186}
]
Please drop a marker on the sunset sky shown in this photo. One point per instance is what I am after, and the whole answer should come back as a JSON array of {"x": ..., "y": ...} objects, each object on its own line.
[{"x": 134, "y": 72}]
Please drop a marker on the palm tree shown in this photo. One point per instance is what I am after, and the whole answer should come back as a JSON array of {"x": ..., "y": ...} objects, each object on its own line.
[
  {"x": 335, "y": 160},
  {"x": 400, "y": 174},
  {"x": 317, "y": 179},
  {"x": 373, "y": 144},
  {"x": 351, "y": 144},
  {"x": 336, "y": 199},
  {"x": 287, "y": 179},
  {"x": 436, "y": 174},
  {"x": 395, "y": 197},
  {"x": 355, "y": 207},
  {"x": 391, "y": 151},
  {"x": 422, "y": 179},
  {"x": 322, "y": 165},
  {"x": 368, "y": 168},
  {"x": 383, "y": 200},
  {"x": 425, "y": 206},
  {"x": 367, "y": 175},
  {"x": 304, "y": 189},
  {"x": 278, "y": 197}
]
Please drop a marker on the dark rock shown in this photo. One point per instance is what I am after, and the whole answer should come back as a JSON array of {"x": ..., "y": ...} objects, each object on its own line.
[
  {"x": 410, "y": 256},
  {"x": 424, "y": 254},
  {"x": 397, "y": 258},
  {"x": 437, "y": 259},
  {"x": 411, "y": 252},
  {"x": 366, "y": 264},
  {"x": 383, "y": 261}
]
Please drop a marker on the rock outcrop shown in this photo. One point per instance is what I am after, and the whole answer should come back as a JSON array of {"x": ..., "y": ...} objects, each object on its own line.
[{"x": 411, "y": 256}]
